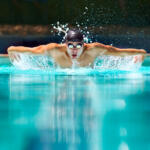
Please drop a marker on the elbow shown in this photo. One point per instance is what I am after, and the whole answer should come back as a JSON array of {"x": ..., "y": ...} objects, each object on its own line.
[
  {"x": 143, "y": 51},
  {"x": 11, "y": 48}
]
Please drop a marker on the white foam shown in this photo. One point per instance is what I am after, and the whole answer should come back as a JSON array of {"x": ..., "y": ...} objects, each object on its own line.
[
  {"x": 116, "y": 62},
  {"x": 31, "y": 61},
  {"x": 28, "y": 61}
]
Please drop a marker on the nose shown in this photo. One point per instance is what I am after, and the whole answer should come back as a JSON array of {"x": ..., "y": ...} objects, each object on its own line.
[{"x": 74, "y": 51}]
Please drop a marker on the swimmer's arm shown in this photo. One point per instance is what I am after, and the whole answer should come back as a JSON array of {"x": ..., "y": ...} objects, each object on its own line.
[
  {"x": 15, "y": 51},
  {"x": 3, "y": 55},
  {"x": 110, "y": 50},
  {"x": 36, "y": 50},
  {"x": 54, "y": 50}
]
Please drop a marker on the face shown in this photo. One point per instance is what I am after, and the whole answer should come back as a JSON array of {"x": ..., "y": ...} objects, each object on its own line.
[{"x": 74, "y": 49}]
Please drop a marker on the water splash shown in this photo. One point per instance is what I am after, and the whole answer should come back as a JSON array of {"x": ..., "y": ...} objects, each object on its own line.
[
  {"x": 116, "y": 62},
  {"x": 63, "y": 28},
  {"x": 32, "y": 61},
  {"x": 87, "y": 22},
  {"x": 26, "y": 61}
]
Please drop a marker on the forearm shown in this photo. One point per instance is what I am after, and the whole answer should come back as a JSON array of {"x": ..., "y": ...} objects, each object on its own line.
[
  {"x": 3, "y": 55},
  {"x": 131, "y": 51},
  {"x": 19, "y": 49},
  {"x": 36, "y": 50},
  {"x": 125, "y": 52},
  {"x": 102, "y": 49},
  {"x": 110, "y": 50},
  {"x": 22, "y": 49}
]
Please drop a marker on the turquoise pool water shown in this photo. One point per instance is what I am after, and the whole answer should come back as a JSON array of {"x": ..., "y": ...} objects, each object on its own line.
[{"x": 74, "y": 110}]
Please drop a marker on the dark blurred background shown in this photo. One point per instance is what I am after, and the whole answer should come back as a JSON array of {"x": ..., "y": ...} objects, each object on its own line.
[
  {"x": 123, "y": 23},
  {"x": 100, "y": 12}
]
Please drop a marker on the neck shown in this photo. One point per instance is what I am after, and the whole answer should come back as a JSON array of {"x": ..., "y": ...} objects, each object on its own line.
[{"x": 75, "y": 63}]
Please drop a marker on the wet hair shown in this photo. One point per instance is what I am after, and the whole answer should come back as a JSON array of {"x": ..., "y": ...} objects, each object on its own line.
[{"x": 74, "y": 35}]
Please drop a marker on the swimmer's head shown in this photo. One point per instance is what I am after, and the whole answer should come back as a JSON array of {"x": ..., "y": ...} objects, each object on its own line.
[
  {"x": 74, "y": 36},
  {"x": 74, "y": 42}
]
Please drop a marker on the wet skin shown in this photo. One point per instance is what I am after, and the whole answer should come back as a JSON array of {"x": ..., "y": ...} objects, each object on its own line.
[
  {"x": 74, "y": 49},
  {"x": 64, "y": 54}
]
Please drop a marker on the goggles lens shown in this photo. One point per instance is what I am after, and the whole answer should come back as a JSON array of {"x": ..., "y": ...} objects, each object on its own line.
[{"x": 78, "y": 46}]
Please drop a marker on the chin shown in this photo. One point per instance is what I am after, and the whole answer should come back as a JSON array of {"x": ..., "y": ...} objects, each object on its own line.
[{"x": 74, "y": 57}]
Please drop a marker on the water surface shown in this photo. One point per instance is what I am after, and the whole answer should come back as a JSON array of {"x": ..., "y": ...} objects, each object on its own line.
[{"x": 106, "y": 110}]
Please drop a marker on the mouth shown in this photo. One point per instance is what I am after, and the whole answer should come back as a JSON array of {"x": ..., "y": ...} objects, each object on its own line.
[{"x": 74, "y": 55}]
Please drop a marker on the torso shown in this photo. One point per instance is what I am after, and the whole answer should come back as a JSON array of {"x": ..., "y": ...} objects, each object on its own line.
[{"x": 62, "y": 58}]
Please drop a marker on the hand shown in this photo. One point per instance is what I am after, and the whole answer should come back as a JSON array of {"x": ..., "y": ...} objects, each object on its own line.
[{"x": 138, "y": 58}]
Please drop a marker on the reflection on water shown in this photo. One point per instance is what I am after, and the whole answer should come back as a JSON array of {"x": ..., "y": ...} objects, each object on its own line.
[{"x": 43, "y": 112}]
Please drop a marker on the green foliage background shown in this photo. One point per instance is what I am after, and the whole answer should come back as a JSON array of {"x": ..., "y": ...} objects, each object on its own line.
[{"x": 99, "y": 12}]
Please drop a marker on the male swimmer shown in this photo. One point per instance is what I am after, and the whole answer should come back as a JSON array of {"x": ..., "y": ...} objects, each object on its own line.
[{"x": 75, "y": 51}]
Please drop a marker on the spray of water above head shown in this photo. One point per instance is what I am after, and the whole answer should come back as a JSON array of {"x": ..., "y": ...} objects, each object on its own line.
[{"x": 82, "y": 26}]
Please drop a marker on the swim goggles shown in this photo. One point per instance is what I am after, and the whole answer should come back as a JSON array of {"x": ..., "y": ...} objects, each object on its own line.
[{"x": 78, "y": 45}]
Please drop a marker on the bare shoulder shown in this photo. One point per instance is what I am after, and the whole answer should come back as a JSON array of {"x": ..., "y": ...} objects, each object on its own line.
[
  {"x": 55, "y": 46},
  {"x": 89, "y": 46},
  {"x": 57, "y": 51},
  {"x": 95, "y": 49},
  {"x": 90, "y": 52}
]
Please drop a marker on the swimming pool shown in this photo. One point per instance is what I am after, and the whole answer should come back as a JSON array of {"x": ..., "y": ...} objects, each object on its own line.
[{"x": 90, "y": 110}]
